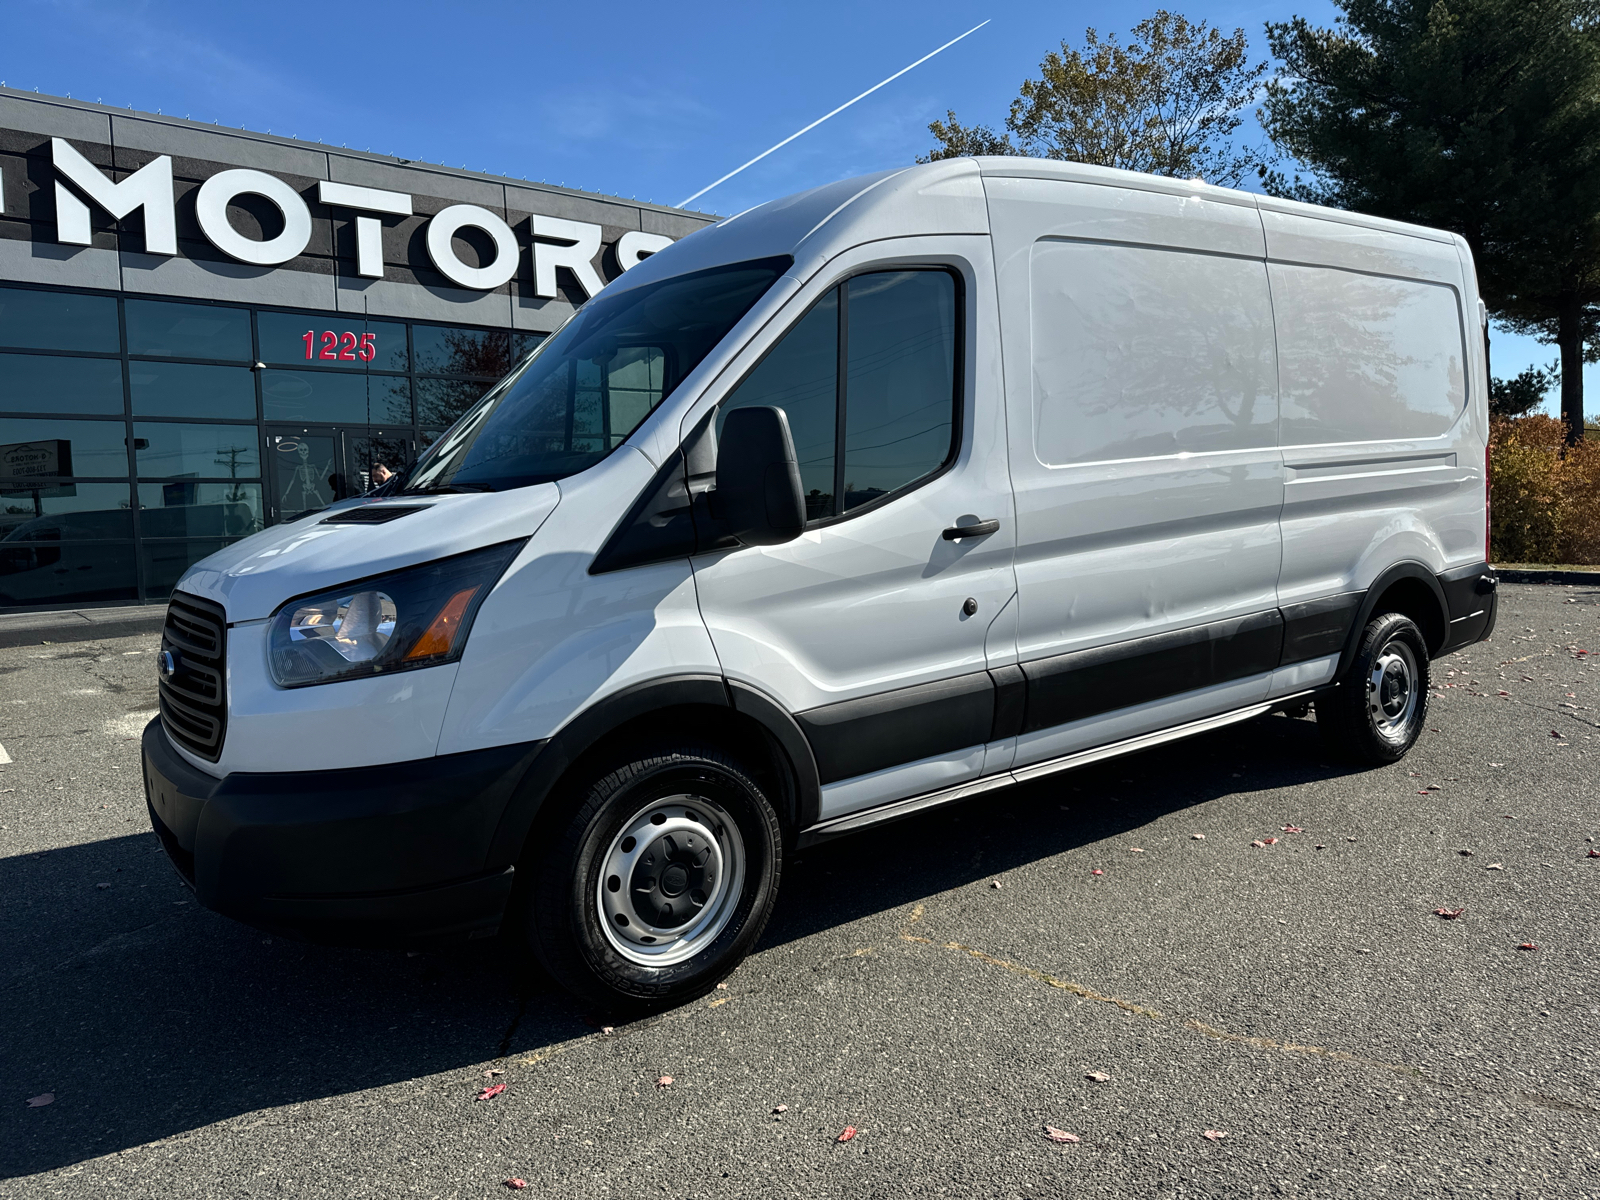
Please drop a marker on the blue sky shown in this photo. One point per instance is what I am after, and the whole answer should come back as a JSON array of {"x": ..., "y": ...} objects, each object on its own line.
[{"x": 632, "y": 99}]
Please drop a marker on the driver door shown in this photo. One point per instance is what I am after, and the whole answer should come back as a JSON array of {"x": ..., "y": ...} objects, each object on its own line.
[{"x": 871, "y": 627}]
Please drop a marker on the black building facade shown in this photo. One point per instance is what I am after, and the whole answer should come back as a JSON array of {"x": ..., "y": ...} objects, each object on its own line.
[{"x": 207, "y": 331}]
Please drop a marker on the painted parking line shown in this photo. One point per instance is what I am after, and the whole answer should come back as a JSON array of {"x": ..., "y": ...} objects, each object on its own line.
[{"x": 4, "y": 757}]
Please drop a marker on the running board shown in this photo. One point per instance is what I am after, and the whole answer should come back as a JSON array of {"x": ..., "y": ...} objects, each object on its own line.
[{"x": 896, "y": 809}]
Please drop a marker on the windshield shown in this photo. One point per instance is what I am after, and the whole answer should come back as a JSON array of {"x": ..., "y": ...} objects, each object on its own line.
[{"x": 586, "y": 388}]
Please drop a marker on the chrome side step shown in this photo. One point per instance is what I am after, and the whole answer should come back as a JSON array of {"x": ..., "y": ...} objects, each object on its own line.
[{"x": 896, "y": 809}]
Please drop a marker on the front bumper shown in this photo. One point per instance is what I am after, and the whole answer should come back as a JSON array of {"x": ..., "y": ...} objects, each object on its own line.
[{"x": 362, "y": 856}]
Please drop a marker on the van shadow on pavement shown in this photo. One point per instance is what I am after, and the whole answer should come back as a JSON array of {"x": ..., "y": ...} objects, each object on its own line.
[{"x": 148, "y": 1017}]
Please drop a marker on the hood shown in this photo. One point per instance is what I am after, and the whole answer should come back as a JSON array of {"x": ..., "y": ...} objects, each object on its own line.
[{"x": 250, "y": 579}]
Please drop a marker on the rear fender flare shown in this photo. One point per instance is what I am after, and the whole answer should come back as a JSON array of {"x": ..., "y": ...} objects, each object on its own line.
[{"x": 1386, "y": 579}]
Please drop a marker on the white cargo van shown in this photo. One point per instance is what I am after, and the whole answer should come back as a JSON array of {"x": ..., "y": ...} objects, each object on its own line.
[{"x": 864, "y": 501}]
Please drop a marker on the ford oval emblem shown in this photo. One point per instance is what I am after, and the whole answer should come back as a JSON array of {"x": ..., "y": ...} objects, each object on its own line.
[{"x": 166, "y": 664}]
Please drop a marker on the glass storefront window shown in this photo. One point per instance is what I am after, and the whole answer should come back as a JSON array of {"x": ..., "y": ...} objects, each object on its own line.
[
  {"x": 66, "y": 510},
  {"x": 188, "y": 330},
  {"x": 330, "y": 342},
  {"x": 190, "y": 390},
  {"x": 93, "y": 384},
  {"x": 187, "y": 508},
  {"x": 69, "y": 572},
  {"x": 54, "y": 448},
  {"x": 31, "y": 320},
  {"x": 49, "y": 383},
  {"x": 323, "y": 398},
  {"x": 443, "y": 350},
  {"x": 196, "y": 451}
]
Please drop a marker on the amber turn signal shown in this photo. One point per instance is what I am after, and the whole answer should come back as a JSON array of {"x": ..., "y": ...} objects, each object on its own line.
[{"x": 441, "y": 635}]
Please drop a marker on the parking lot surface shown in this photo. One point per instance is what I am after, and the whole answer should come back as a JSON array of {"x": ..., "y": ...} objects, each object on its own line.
[{"x": 1123, "y": 954}]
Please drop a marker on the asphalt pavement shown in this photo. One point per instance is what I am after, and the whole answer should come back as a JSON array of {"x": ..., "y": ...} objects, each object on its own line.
[{"x": 1108, "y": 953}]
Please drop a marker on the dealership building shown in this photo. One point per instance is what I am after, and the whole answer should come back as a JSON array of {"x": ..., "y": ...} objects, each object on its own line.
[{"x": 205, "y": 331}]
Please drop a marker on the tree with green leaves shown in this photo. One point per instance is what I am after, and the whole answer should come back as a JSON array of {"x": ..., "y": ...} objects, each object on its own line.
[
  {"x": 1167, "y": 102},
  {"x": 1478, "y": 116}
]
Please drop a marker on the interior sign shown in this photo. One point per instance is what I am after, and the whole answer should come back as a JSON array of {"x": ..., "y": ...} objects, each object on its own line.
[{"x": 569, "y": 244}]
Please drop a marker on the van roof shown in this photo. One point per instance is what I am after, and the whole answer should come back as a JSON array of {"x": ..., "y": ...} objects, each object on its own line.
[{"x": 945, "y": 197}]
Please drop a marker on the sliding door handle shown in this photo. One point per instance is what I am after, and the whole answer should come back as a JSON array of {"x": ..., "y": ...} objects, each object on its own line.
[{"x": 976, "y": 529}]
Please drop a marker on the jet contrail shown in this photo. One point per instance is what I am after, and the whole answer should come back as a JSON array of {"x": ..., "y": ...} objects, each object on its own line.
[{"x": 834, "y": 113}]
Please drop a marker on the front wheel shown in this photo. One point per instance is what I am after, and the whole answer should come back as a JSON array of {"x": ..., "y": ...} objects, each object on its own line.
[
  {"x": 657, "y": 880},
  {"x": 1381, "y": 704}
]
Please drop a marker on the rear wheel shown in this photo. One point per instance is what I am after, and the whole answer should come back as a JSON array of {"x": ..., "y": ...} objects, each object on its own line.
[
  {"x": 1381, "y": 704},
  {"x": 658, "y": 878}
]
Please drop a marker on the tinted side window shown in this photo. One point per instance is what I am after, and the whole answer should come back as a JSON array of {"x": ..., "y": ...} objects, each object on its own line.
[
  {"x": 900, "y": 387},
  {"x": 897, "y": 404},
  {"x": 801, "y": 376}
]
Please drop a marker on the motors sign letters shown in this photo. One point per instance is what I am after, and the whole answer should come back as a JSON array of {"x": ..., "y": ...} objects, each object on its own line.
[{"x": 569, "y": 244}]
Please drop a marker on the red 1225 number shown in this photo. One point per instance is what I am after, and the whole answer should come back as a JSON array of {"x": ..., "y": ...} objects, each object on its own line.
[{"x": 341, "y": 347}]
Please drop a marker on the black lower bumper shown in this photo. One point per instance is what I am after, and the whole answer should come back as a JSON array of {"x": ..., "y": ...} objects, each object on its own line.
[
  {"x": 363, "y": 856},
  {"x": 1472, "y": 599}
]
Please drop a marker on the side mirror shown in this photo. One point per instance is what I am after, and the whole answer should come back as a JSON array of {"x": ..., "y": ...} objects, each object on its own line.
[{"x": 758, "y": 480}]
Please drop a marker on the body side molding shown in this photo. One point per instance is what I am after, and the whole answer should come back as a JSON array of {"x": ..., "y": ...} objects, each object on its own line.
[{"x": 896, "y": 809}]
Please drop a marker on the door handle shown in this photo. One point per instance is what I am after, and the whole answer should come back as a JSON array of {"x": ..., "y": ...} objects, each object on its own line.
[{"x": 976, "y": 529}]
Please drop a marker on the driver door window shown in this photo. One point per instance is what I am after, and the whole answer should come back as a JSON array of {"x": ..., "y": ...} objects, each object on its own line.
[{"x": 894, "y": 401}]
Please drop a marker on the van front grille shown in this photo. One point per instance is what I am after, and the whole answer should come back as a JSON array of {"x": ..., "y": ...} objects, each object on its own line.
[{"x": 194, "y": 696}]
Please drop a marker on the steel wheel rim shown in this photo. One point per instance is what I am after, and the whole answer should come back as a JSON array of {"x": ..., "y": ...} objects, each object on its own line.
[
  {"x": 670, "y": 880},
  {"x": 1392, "y": 691}
]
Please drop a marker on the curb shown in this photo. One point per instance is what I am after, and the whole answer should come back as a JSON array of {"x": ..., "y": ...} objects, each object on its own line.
[
  {"x": 83, "y": 631},
  {"x": 1535, "y": 576}
]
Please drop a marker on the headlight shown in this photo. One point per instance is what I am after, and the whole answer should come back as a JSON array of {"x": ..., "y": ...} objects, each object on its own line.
[{"x": 418, "y": 617}]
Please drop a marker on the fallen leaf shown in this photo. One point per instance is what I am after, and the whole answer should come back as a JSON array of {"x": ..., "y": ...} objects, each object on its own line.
[
  {"x": 102, "y": 886},
  {"x": 1527, "y": 946},
  {"x": 1555, "y": 733},
  {"x": 1060, "y": 1135},
  {"x": 782, "y": 1108},
  {"x": 1270, "y": 841},
  {"x": 1216, "y": 1135},
  {"x": 516, "y": 1185},
  {"x": 41, "y": 1101},
  {"x": 1464, "y": 853},
  {"x": 995, "y": 884},
  {"x": 664, "y": 1082},
  {"x": 1593, "y": 853},
  {"x": 490, "y": 1092},
  {"x": 1293, "y": 829},
  {"x": 1259, "y": 842},
  {"x": 1449, "y": 914},
  {"x": 607, "y": 1029},
  {"x": 1349, "y": 839},
  {"x": 1495, "y": 867},
  {"x": 1321, "y": 847},
  {"x": 722, "y": 987},
  {"x": 1198, "y": 837},
  {"x": 1097, "y": 1076},
  {"x": 492, "y": 1072},
  {"x": 1135, "y": 849},
  {"x": 846, "y": 1134}
]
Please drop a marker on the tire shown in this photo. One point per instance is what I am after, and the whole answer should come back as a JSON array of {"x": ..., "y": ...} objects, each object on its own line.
[
  {"x": 1380, "y": 707},
  {"x": 656, "y": 879}
]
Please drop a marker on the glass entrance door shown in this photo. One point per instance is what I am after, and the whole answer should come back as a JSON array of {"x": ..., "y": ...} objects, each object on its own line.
[
  {"x": 311, "y": 468},
  {"x": 306, "y": 471}
]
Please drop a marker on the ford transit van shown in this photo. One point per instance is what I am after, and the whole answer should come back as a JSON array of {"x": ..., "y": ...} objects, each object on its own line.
[{"x": 864, "y": 501}]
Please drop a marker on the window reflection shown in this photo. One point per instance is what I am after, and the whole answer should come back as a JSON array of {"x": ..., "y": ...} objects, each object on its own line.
[
  {"x": 189, "y": 508},
  {"x": 33, "y": 320},
  {"x": 197, "y": 451},
  {"x": 50, "y": 383},
  {"x": 188, "y": 330}
]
